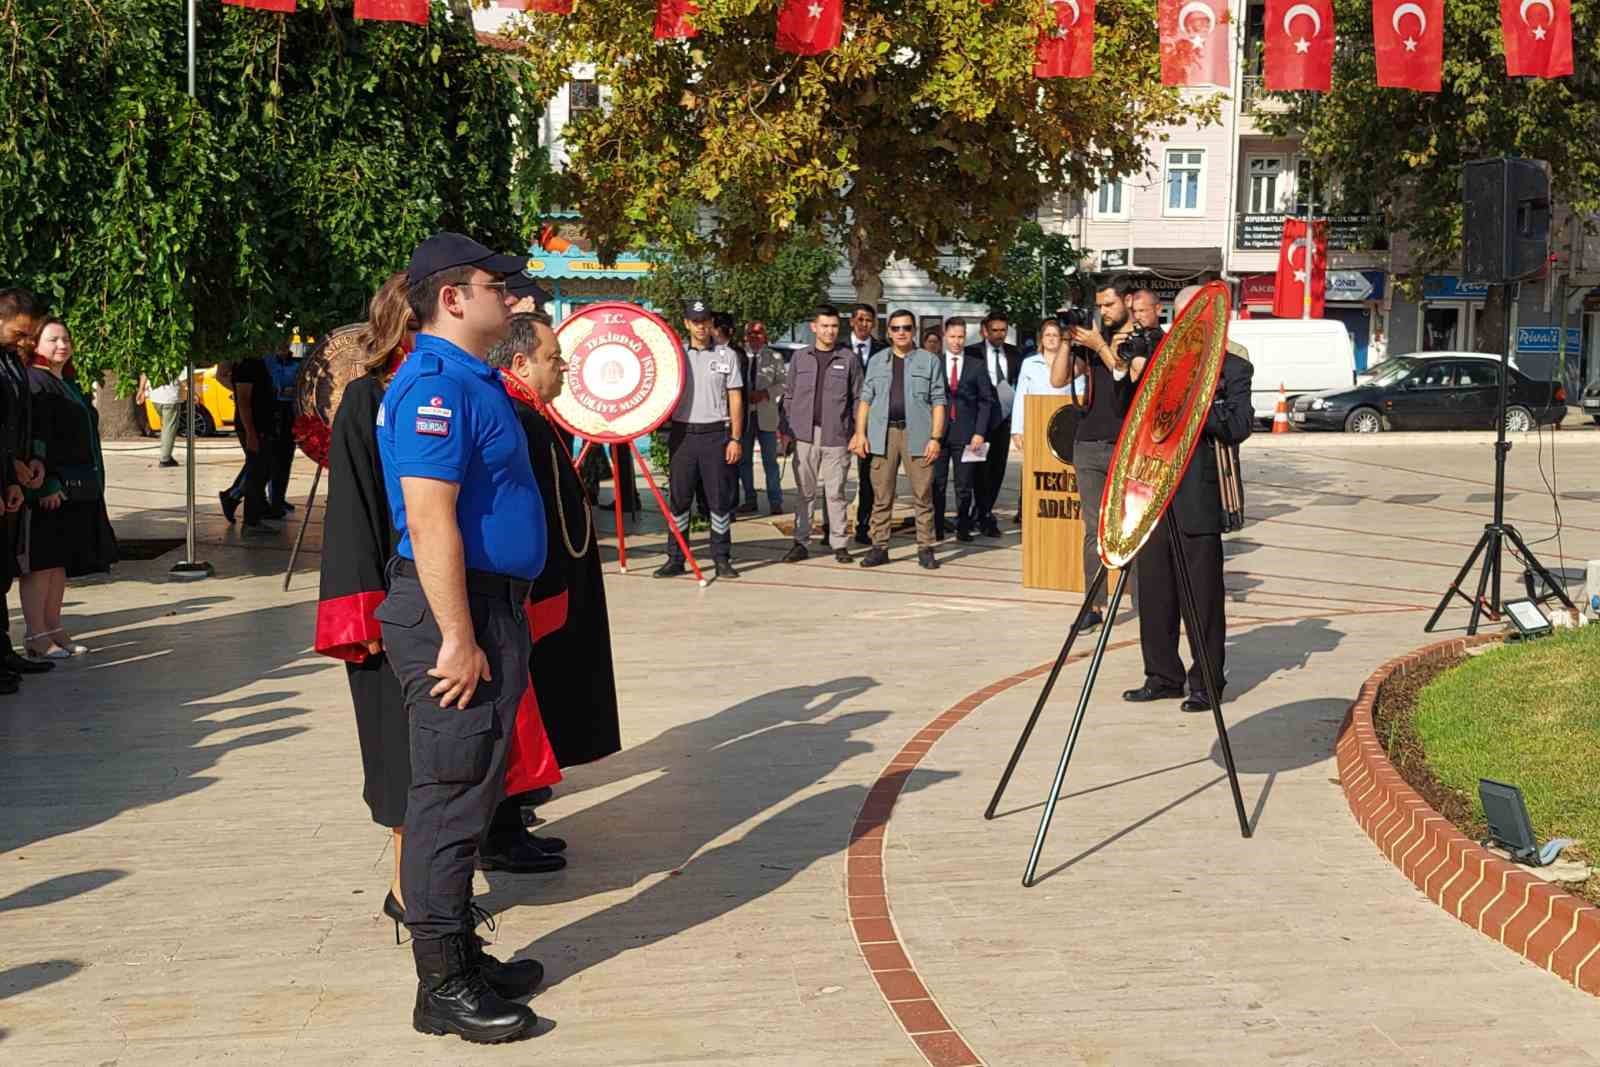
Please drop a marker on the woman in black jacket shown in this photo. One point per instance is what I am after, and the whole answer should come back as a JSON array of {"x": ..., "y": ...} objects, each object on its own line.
[{"x": 66, "y": 532}]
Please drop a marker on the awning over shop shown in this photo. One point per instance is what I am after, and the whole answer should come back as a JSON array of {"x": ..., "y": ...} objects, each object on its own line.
[
  {"x": 1188, "y": 262},
  {"x": 561, "y": 252}
]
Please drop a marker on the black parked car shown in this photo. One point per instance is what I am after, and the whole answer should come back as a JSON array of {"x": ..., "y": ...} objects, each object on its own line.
[{"x": 1441, "y": 391}]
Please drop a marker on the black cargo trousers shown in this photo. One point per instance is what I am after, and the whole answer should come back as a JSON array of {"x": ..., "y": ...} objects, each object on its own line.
[{"x": 458, "y": 755}]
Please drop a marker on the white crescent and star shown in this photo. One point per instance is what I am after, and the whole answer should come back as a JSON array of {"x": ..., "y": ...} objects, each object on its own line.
[
  {"x": 1550, "y": 16},
  {"x": 1077, "y": 13},
  {"x": 1301, "y": 242},
  {"x": 815, "y": 11},
  {"x": 1197, "y": 7},
  {"x": 1422, "y": 22},
  {"x": 1301, "y": 44}
]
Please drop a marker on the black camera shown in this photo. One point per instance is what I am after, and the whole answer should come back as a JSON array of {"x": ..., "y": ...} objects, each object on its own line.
[
  {"x": 1082, "y": 318},
  {"x": 1140, "y": 344}
]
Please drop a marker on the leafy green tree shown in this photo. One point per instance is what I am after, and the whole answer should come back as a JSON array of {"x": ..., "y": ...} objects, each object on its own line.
[
  {"x": 780, "y": 293},
  {"x": 924, "y": 134},
  {"x": 319, "y": 152},
  {"x": 1032, "y": 276},
  {"x": 1400, "y": 152}
]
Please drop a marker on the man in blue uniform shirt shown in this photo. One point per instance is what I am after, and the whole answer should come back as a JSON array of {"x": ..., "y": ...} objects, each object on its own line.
[{"x": 472, "y": 539}]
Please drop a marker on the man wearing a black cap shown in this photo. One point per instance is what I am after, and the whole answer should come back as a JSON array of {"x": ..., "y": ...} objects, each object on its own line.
[
  {"x": 471, "y": 526},
  {"x": 705, "y": 439}
]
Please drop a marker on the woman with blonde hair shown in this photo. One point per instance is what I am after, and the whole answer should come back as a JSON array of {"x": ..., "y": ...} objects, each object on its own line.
[{"x": 67, "y": 533}]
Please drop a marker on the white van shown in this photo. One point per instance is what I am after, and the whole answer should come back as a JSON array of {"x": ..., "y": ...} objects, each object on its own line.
[{"x": 1304, "y": 355}]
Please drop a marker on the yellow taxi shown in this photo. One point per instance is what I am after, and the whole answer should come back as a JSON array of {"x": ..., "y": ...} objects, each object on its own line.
[{"x": 213, "y": 405}]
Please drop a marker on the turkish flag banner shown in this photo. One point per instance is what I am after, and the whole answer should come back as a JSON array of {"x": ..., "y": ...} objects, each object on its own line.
[
  {"x": 1299, "y": 45},
  {"x": 810, "y": 27},
  {"x": 673, "y": 20},
  {"x": 1066, "y": 50},
  {"x": 393, "y": 11},
  {"x": 285, "y": 6},
  {"x": 1408, "y": 37},
  {"x": 1195, "y": 42},
  {"x": 1302, "y": 270},
  {"x": 1538, "y": 37}
]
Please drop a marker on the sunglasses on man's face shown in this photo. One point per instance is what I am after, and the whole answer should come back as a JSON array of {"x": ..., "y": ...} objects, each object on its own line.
[{"x": 899, "y": 329}]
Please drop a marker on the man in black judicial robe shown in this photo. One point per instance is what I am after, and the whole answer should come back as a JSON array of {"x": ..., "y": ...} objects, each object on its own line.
[
  {"x": 1198, "y": 511},
  {"x": 572, "y": 669}
]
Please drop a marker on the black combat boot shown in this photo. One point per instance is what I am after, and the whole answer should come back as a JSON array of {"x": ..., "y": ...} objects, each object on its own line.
[
  {"x": 511, "y": 979},
  {"x": 453, "y": 996}
]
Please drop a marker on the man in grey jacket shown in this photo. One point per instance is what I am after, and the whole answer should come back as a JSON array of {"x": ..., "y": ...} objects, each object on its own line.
[
  {"x": 900, "y": 419},
  {"x": 819, "y": 400}
]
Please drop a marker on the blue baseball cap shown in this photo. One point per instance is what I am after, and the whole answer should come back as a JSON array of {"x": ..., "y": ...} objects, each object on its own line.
[{"x": 445, "y": 250}]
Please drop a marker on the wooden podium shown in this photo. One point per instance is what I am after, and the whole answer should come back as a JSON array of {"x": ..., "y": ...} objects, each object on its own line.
[{"x": 1052, "y": 516}]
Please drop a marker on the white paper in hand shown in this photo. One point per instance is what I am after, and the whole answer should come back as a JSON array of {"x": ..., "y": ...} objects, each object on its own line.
[{"x": 975, "y": 455}]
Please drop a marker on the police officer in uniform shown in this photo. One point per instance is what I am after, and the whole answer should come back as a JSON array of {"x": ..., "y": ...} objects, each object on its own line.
[
  {"x": 705, "y": 440},
  {"x": 471, "y": 526}
]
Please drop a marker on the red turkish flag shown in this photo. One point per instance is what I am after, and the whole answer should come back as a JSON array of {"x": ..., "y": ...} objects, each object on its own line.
[
  {"x": 1195, "y": 42},
  {"x": 1538, "y": 36},
  {"x": 810, "y": 27},
  {"x": 1299, "y": 50},
  {"x": 673, "y": 19},
  {"x": 1302, "y": 267},
  {"x": 285, "y": 6},
  {"x": 1408, "y": 37},
  {"x": 393, "y": 11},
  {"x": 1067, "y": 49}
]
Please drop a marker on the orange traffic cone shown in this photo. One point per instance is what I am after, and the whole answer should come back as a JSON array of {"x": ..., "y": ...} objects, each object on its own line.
[{"x": 1280, "y": 414}]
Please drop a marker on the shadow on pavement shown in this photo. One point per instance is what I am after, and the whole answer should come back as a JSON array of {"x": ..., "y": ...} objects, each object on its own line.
[
  {"x": 60, "y": 888},
  {"x": 130, "y": 725},
  {"x": 28, "y": 976},
  {"x": 704, "y": 779}
]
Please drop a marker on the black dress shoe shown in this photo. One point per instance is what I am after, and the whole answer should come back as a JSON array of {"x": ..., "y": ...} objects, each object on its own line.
[
  {"x": 991, "y": 529},
  {"x": 965, "y": 537},
  {"x": 1091, "y": 621},
  {"x": 670, "y": 569},
  {"x": 168, "y": 463},
  {"x": 726, "y": 569},
  {"x": 509, "y": 978},
  {"x": 1152, "y": 691},
  {"x": 454, "y": 997},
  {"x": 229, "y": 505},
  {"x": 796, "y": 553},
  {"x": 841, "y": 555},
  {"x": 16, "y": 664},
  {"x": 1197, "y": 701},
  {"x": 875, "y": 558},
  {"x": 9, "y": 683},
  {"x": 518, "y": 857},
  {"x": 747, "y": 508},
  {"x": 925, "y": 559},
  {"x": 394, "y": 910},
  {"x": 863, "y": 538},
  {"x": 549, "y": 844}
]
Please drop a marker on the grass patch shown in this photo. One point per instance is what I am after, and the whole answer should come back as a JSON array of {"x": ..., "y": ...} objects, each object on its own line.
[{"x": 1528, "y": 714}]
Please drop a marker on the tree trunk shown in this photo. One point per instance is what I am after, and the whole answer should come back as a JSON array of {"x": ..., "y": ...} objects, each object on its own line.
[
  {"x": 866, "y": 259},
  {"x": 119, "y": 415}
]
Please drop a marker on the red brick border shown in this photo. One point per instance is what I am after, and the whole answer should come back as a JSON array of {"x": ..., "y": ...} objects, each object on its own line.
[
  {"x": 1550, "y": 927},
  {"x": 867, "y": 895}
]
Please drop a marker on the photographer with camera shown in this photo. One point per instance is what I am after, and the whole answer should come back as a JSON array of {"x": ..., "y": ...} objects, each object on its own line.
[{"x": 1109, "y": 355}]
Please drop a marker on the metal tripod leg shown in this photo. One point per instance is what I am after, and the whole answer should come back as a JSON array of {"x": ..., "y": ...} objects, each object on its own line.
[
  {"x": 1191, "y": 622},
  {"x": 1077, "y": 725},
  {"x": 305, "y": 520},
  {"x": 1455, "y": 586},
  {"x": 1049, "y": 684},
  {"x": 1539, "y": 568}
]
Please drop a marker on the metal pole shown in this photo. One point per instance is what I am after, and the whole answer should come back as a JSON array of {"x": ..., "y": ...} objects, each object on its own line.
[
  {"x": 1077, "y": 725},
  {"x": 189, "y": 567},
  {"x": 1049, "y": 684},
  {"x": 1311, "y": 243}
]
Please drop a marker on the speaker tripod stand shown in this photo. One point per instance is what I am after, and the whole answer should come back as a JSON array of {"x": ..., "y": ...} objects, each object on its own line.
[
  {"x": 1191, "y": 617},
  {"x": 1492, "y": 542}
]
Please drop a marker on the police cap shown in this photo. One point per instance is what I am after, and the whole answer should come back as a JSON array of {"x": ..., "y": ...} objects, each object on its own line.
[
  {"x": 445, "y": 250},
  {"x": 697, "y": 310}
]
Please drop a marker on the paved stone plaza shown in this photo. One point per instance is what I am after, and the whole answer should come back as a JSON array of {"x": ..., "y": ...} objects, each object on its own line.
[{"x": 188, "y": 874}]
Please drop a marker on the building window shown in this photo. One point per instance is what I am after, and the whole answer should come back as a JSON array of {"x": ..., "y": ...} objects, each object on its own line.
[
  {"x": 1111, "y": 200},
  {"x": 583, "y": 94},
  {"x": 1266, "y": 183},
  {"x": 1185, "y": 179}
]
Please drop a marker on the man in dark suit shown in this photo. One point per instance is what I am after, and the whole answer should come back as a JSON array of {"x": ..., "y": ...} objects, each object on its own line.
[
  {"x": 973, "y": 401},
  {"x": 864, "y": 344},
  {"x": 1197, "y": 509},
  {"x": 1003, "y": 361}
]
